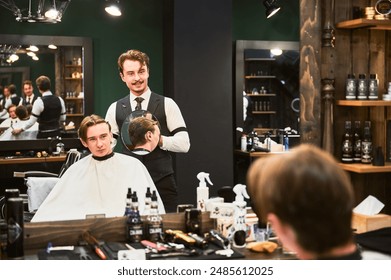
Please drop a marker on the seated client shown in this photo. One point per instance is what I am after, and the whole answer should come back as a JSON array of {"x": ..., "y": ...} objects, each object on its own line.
[{"x": 98, "y": 183}]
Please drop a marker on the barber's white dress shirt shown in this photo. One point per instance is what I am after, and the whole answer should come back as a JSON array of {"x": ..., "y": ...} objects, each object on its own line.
[{"x": 179, "y": 143}]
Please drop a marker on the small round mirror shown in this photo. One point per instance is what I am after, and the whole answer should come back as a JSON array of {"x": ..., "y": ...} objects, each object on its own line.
[{"x": 140, "y": 132}]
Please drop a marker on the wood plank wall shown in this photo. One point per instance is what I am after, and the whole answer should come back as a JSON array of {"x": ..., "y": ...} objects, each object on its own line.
[{"x": 363, "y": 51}]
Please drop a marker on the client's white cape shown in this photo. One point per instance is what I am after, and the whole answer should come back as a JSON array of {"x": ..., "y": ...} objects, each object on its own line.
[{"x": 93, "y": 187}]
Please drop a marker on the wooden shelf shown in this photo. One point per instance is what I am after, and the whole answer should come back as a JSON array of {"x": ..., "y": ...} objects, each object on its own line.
[
  {"x": 365, "y": 168},
  {"x": 74, "y": 98},
  {"x": 259, "y": 59},
  {"x": 73, "y": 79},
  {"x": 259, "y": 77},
  {"x": 363, "y": 103},
  {"x": 261, "y": 95},
  {"x": 365, "y": 23},
  {"x": 75, "y": 115},
  {"x": 264, "y": 112}
]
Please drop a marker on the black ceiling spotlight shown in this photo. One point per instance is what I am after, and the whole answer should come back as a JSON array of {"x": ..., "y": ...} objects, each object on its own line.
[
  {"x": 112, "y": 7},
  {"x": 271, "y": 7},
  {"x": 50, "y": 13}
]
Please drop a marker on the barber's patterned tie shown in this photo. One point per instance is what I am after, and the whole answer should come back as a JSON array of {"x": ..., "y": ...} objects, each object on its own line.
[{"x": 138, "y": 100}]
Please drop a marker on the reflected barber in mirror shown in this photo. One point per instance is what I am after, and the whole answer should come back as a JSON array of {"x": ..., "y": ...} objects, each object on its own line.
[
  {"x": 28, "y": 92},
  {"x": 133, "y": 68},
  {"x": 98, "y": 183},
  {"x": 49, "y": 111}
]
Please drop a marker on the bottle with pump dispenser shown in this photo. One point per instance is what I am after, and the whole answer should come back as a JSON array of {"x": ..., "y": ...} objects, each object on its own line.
[
  {"x": 202, "y": 190},
  {"x": 240, "y": 234},
  {"x": 134, "y": 224},
  {"x": 60, "y": 147},
  {"x": 154, "y": 221},
  {"x": 128, "y": 200},
  {"x": 147, "y": 201}
]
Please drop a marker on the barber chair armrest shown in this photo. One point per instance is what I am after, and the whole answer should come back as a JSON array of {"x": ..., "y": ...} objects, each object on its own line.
[{"x": 27, "y": 174}]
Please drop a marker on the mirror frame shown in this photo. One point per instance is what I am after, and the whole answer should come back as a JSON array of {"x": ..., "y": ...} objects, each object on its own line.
[
  {"x": 242, "y": 45},
  {"x": 66, "y": 41}
]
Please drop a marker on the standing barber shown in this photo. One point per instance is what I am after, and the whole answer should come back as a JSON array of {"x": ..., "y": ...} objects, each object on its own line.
[
  {"x": 28, "y": 91},
  {"x": 49, "y": 111},
  {"x": 133, "y": 66}
]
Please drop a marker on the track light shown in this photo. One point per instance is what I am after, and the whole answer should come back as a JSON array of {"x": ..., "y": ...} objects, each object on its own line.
[
  {"x": 271, "y": 7},
  {"x": 112, "y": 7}
]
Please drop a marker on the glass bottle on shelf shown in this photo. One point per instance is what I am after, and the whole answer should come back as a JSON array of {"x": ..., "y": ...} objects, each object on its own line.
[
  {"x": 347, "y": 144},
  {"x": 373, "y": 85},
  {"x": 351, "y": 87},
  {"x": 357, "y": 142},
  {"x": 366, "y": 145},
  {"x": 362, "y": 87}
]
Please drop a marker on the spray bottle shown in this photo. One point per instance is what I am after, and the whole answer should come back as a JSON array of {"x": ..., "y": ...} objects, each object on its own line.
[
  {"x": 239, "y": 235},
  {"x": 202, "y": 190}
]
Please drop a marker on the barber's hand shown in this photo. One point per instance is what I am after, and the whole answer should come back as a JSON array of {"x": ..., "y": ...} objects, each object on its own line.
[{"x": 16, "y": 131}]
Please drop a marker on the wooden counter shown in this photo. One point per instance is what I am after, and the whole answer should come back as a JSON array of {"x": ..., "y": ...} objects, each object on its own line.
[
  {"x": 65, "y": 233},
  {"x": 25, "y": 160}
]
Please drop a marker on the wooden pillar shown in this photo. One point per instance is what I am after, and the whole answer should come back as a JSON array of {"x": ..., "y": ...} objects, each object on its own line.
[
  {"x": 310, "y": 78},
  {"x": 327, "y": 74}
]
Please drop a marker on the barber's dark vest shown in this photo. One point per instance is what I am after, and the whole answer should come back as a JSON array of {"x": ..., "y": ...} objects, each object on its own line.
[
  {"x": 3, "y": 101},
  {"x": 31, "y": 100},
  {"x": 16, "y": 100},
  {"x": 158, "y": 162},
  {"x": 50, "y": 116}
]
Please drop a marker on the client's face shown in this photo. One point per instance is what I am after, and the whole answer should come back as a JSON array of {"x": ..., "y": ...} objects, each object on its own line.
[{"x": 98, "y": 140}]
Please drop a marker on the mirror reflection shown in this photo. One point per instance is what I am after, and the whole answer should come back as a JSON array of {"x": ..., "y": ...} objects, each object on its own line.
[
  {"x": 140, "y": 132},
  {"x": 267, "y": 86},
  {"x": 67, "y": 61}
]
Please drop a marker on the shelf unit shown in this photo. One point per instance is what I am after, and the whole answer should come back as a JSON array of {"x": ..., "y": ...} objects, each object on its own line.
[
  {"x": 274, "y": 79},
  {"x": 372, "y": 110},
  {"x": 73, "y": 84},
  {"x": 259, "y": 78}
]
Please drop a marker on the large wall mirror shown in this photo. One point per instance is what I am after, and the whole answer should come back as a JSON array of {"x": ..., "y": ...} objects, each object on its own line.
[
  {"x": 267, "y": 86},
  {"x": 69, "y": 66}
]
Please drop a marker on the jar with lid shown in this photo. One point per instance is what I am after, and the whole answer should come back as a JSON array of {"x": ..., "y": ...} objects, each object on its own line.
[
  {"x": 373, "y": 85},
  {"x": 362, "y": 87},
  {"x": 351, "y": 87}
]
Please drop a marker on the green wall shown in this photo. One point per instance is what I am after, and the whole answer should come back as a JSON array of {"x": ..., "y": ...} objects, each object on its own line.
[
  {"x": 250, "y": 23},
  {"x": 141, "y": 26}
]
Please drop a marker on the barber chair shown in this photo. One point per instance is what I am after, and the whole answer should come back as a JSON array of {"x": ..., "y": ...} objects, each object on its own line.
[{"x": 40, "y": 183}]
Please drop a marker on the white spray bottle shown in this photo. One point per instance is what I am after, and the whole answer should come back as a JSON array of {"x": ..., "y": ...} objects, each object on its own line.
[
  {"x": 202, "y": 190},
  {"x": 240, "y": 215}
]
